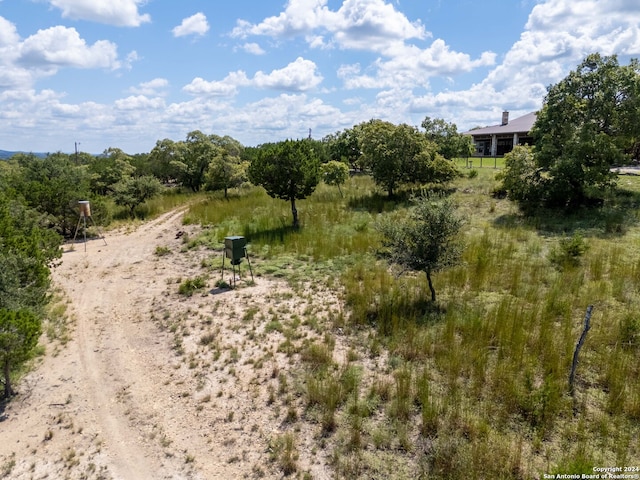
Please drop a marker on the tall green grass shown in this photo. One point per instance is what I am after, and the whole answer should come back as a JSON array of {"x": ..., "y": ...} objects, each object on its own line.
[{"x": 478, "y": 382}]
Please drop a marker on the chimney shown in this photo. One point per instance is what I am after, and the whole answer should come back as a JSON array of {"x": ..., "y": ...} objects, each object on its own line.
[{"x": 505, "y": 118}]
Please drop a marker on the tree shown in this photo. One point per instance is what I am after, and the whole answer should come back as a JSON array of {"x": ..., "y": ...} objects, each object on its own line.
[
  {"x": 288, "y": 170},
  {"x": 426, "y": 240},
  {"x": 521, "y": 178},
  {"x": 344, "y": 146},
  {"x": 108, "y": 169},
  {"x": 226, "y": 170},
  {"x": 589, "y": 122},
  {"x": 335, "y": 173},
  {"x": 27, "y": 251},
  {"x": 52, "y": 185},
  {"x": 451, "y": 144},
  {"x": 19, "y": 333},
  {"x": 195, "y": 155},
  {"x": 133, "y": 191},
  {"x": 163, "y": 158},
  {"x": 397, "y": 155}
]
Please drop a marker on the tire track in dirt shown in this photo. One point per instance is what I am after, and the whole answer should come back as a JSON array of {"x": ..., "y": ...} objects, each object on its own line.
[{"x": 118, "y": 380}]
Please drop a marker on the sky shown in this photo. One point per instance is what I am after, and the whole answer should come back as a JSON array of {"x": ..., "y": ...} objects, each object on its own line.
[{"x": 126, "y": 74}]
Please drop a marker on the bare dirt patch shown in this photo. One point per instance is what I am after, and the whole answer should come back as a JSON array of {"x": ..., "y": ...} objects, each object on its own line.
[{"x": 154, "y": 384}]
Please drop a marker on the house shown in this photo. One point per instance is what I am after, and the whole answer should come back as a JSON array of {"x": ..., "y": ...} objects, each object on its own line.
[{"x": 500, "y": 139}]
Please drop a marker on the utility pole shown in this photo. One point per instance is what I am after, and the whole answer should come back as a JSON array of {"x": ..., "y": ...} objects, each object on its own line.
[{"x": 76, "y": 145}]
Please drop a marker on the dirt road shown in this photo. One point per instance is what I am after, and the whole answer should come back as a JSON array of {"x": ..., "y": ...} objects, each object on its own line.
[{"x": 117, "y": 401}]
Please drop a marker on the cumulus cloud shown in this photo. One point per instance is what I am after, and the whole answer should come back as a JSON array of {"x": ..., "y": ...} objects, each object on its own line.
[
  {"x": 557, "y": 36},
  {"x": 370, "y": 25},
  {"x": 299, "y": 76},
  {"x": 364, "y": 24},
  {"x": 139, "y": 102},
  {"x": 253, "y": 49},
  {"x": 194, "y": 25},
  {"x": 63, "y": 47},
  {"x": 223, "y": 88},
  {"x": 155, "y": 87},
  {"x": 122, "y": 13},
  {"x": 23, "y": 61}
]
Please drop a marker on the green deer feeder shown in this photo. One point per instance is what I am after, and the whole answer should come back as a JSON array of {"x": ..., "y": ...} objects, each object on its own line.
[{"x": 235, "y": 249}]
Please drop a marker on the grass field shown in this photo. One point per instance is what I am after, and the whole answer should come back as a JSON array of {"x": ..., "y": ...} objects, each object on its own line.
[{"x": 476, "y": 385}]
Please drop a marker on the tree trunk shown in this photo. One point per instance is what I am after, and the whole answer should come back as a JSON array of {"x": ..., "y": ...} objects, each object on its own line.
[
  {"x": 433, "y": 290},
  {"x": 294, "y": 212},
  {"x": 8, "y": 391}
]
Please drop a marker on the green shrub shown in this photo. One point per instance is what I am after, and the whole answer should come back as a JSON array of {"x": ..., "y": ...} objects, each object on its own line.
[{"x": 191, "y": 285}]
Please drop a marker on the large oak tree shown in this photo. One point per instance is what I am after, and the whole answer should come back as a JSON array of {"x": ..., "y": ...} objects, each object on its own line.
[{"x": 589, "y": 122}]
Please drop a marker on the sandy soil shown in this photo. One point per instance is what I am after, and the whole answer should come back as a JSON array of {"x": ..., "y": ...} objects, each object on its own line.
[{"x": 153, "y": 384}]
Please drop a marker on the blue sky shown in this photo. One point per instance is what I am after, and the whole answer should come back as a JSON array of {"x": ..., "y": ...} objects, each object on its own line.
[{"x": 127, "y": 73}]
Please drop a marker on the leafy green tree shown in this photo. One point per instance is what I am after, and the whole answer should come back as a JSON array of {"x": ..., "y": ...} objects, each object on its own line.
[
  {"x": 19, "y": 333},
  {"x": 226, "y": 170},
  {"x": 344, "y": 146},
  {"x": 397, "y": 155},
  {"x": 27, "y": 251},
  {"x": 590, "y": 121},
  {"x": 521, "y": 179},
  {"x": 426, "y": 240},
  {"x": 335, "y": 173},
  {"x": 133, "y": 191},
  {"x": 288, "y": 170},
  {"x": 108, "y": 169},
  {"x": 451, "y": 144},
  {"x": 53, "y": 186},
  {"x": 196, "y": 155},
  {"x": 162, "y": 160}
]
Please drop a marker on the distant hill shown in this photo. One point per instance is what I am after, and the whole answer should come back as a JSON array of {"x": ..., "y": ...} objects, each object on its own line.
[{"x": 4, "y": 154}]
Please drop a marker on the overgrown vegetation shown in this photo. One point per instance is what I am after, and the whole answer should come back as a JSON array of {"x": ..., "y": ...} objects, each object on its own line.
[{"x": 476, "y": 384}]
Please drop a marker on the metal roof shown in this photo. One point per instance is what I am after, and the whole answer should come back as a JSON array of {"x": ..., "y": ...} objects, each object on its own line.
[{"x": 517, "y": 125}]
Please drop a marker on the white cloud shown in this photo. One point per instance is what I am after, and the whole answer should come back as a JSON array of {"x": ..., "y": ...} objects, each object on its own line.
[
  {"x": 62, "y": 47},
  {"x": 155, "y": 87},
  {"x": 8, "y": 33},
  {"x": 370, "y": 25},
  {"x": 360, "y": 24},
  {"x": 411, "y": 67},
  {"x": 253, "y": 49},
  {"x": 122, "y": 13},
  {"x": 557, "y": 36},
  {"x": 298, "y": 76},
  {"x": 130, "y": 59},
  {"x": 139, "y": 102},
  {"x": 194, "y": 25},
  {"x": 224, "y": 88},
  {"x": 373, "y": 25}
]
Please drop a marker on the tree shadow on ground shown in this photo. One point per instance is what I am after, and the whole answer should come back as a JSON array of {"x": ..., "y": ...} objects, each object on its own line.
[
  {"x": 392, "y": 316},
  {"x": 377, "y": 202},
  {"x": 271, "y": 235},
  {"x": 611, "y": 220}
]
